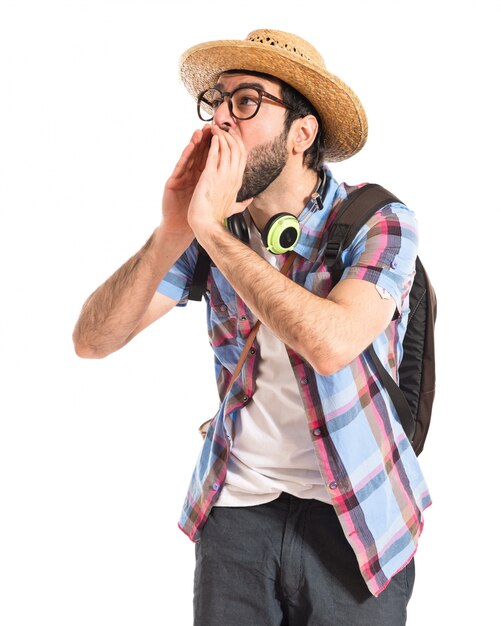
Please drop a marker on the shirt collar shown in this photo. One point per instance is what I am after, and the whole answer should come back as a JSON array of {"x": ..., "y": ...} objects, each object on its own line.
[{"x": 313, "y": 219}]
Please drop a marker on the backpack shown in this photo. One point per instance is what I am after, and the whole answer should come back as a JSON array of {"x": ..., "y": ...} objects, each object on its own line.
[{"x": 413, "y": 396}]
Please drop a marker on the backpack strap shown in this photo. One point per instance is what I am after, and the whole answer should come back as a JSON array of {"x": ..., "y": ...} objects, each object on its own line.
[
  {"x": 355, "y": 211},
  {"x": 200, "y": 275},
  {"x": 396, "y": 394}
]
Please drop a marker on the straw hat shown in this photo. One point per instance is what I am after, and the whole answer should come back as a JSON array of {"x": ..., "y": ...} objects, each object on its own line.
[{"x": 296, "y": 62}]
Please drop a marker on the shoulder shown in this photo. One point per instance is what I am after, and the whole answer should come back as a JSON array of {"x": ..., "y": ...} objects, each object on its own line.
[{"x": 391, "y": 216}]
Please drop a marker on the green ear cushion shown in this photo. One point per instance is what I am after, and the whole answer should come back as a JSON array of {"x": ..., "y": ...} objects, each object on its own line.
[{"x": 282, "y": 234}]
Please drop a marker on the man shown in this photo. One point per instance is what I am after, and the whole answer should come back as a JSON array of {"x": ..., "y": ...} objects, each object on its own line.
[{"x": 306, "y": 502}]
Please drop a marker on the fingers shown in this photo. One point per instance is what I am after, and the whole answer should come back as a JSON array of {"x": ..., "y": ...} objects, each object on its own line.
[
  {"x": 213, "y": 156},
  {"x": 222, "y": 156},
  {"x": 232, "y": 153},
  {"x": 202, "y": 148},
  {"x": 184, "y": 160},
  {"x": 194, "y": 154},
  {"x": 225, "y": 153},
  {"x": 187, "y": 155}
]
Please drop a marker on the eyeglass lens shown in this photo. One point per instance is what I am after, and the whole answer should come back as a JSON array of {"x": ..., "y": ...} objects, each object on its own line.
[{"x": 245, "y": 102}]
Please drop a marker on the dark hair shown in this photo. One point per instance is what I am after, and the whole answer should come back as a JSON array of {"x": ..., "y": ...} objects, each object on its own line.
[
  {"x": 313, "y": 158},
  {"x": 301, "y": 107}
]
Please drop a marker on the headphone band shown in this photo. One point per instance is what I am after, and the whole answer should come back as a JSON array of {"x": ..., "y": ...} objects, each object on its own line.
[{"x": 319, "y": 194}]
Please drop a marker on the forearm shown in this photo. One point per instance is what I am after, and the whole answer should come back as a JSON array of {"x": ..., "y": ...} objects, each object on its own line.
[
  {"x": 110, "y": 315},
  {"x": 309, "y": 324}
]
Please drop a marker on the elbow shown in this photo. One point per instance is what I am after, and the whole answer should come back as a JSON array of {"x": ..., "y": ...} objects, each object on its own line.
[
  {"x": 328, "y": 367},
  {"x": 333, "y": 361},
  {"x": 88, "y": 354},
  {"x": 86, "y": 351},
  {"x": 330, "y": 362}
]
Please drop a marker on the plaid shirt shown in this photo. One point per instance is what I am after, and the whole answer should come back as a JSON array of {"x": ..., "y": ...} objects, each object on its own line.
[{"x": 369, "y": 468}]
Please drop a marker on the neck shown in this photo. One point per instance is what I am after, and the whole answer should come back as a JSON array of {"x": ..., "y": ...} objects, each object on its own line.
[{"x": 289, "y": 193}]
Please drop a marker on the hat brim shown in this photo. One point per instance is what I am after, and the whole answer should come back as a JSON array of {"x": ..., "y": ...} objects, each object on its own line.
[{"x": 342, "y": 114}]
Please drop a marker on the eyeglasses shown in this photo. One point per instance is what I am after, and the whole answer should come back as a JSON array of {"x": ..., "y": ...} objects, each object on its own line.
[{"x": 243, "y": 102}]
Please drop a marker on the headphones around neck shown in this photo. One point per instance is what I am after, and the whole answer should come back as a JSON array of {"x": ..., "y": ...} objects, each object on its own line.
[{"x": 282, "y": 231}]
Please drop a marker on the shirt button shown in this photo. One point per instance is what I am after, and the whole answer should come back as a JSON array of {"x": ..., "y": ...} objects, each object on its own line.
[
  {"x": 245, "y": 398},
  {"x": 215, "y": 486},
  {"x": 333, "y": 485},
  {"x": 304, "y": 381},
  {"x": 317, "y": 432},
  {"x": 243, "y": 318},
  {"x": 252, "y": 351}
]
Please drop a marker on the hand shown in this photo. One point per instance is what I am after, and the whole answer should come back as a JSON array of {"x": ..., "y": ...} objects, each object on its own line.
[
  {"x": 181, "y": 184},
  {"x": 214, "y": 198}
]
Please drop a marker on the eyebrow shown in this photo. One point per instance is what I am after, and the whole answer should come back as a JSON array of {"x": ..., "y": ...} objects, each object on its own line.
[{"x": 220, "y": 86}]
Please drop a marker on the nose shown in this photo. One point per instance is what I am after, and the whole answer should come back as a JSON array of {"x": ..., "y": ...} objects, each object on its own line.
[{"x": 222, "y": 116}]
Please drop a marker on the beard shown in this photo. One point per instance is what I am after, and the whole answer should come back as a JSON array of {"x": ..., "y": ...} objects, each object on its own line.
[{"x": 264, "y": 165}]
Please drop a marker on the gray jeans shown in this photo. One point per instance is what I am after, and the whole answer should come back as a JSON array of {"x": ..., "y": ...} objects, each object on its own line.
[{"x": 287, "y": 563}]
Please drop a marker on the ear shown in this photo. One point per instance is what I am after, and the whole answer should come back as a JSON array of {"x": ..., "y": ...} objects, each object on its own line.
[{"x": 303, "y": 133}]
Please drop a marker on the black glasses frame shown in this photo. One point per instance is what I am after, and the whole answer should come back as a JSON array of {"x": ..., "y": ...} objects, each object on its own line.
[{"x": 262, "y": 93}]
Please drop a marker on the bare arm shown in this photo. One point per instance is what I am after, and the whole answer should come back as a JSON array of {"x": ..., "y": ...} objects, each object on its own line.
[{"x": 127, "y": 302}]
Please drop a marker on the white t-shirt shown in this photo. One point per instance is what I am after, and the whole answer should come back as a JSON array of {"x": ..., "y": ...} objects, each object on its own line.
[{"x": 272, "y": 448}]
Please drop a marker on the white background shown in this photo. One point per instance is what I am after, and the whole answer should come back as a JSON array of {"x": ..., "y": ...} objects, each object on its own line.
[{"x": 95, "y": 456}]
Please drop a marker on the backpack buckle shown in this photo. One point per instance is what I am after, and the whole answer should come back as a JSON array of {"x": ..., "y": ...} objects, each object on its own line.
[{"x": 335, "y": 244}]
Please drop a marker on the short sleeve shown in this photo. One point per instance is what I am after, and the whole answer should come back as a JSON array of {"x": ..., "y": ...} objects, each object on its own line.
[
  {"x": 177, "y": 282},
  {"x": 384, "y": 252}
]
